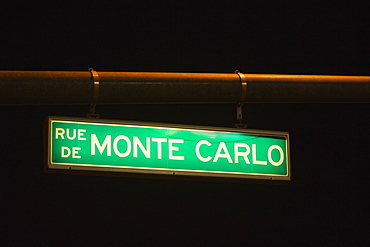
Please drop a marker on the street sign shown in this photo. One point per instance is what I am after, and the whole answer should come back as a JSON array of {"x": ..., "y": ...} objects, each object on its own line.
[{"x": 169, "y": 149}]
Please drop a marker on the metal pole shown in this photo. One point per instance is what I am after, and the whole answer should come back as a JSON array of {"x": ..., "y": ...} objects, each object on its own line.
[{"x": 75, "y": 88}]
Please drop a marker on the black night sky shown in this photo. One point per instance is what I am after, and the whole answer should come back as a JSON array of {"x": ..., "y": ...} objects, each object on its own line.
[{"x": 323, "y": 205}]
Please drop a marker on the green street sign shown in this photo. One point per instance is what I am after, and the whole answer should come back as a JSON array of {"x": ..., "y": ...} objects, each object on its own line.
[{"x": 139, "y": 147}]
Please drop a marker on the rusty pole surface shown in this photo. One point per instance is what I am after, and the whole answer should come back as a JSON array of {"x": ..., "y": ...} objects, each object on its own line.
[{"x": 77, "y": 88}]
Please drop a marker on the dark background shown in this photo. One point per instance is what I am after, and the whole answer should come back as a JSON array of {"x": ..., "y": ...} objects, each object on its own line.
[{"x": 322, "y": 205}]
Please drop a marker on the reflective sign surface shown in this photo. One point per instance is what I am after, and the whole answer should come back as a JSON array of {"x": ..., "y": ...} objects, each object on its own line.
[{"x": 120, "y": 146}]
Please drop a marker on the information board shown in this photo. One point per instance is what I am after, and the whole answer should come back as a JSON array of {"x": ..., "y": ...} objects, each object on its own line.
[{"x": 140, "y": 147}]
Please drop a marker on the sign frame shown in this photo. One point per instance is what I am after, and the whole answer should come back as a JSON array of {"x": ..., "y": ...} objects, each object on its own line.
[{"x": 144, "y": 171}]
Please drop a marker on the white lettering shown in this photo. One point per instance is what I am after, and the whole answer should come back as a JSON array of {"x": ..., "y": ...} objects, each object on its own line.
[
  {"x": 59, "y": 132},
  {"x": 269, "y": 155},
  {"x": 137, "y": 143},
  {"x": 64, "y": 154},
  {"x": 159, "y": 142},
  {"x": 115, "y": 146},
  {"x": 244, "y": 154},
  {"x": 80, "y": 134},
  {"x": 75, "y": 152},
  {"x": 197, "y": 150},
  {"x": 106, "y": 145},
  {"x": 254, "y": 155},
  {"x": 226, "y": 154},
  {"x": 69, "y": 132},
  {"x": 171, "y": 148}
]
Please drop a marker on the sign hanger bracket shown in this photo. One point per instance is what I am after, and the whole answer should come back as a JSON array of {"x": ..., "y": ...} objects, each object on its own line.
[
  {"x": 239, "y": 105},
  {"x": 96, "y": 84}
]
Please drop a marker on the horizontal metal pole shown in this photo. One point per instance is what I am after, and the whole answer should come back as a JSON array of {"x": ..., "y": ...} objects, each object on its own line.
[
  {"x": 308, "y": 88},
  {"x": 74, "y": 88}
]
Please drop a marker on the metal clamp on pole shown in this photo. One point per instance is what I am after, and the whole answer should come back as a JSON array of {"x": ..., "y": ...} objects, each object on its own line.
[
  {"x": 239, "y": 105},
  {"x": 95, "y": 79}
]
